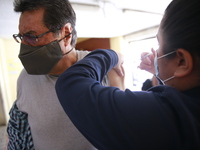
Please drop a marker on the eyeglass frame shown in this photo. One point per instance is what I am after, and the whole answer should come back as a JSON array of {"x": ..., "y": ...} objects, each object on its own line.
[{"x": 30, "y": 36}]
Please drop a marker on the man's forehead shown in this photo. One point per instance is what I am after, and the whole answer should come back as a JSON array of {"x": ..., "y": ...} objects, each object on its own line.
[{"x": 31, "y": 21}]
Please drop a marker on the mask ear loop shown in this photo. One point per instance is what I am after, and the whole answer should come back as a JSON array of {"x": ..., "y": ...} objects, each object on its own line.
[
  {"x": 68, "y": 52},
  {"x": 156, "y": 63},
  {"x": 159, "y": 80},
  {"x": 64, "y": 37},
  {"x": 162, "y": 82},
  {"x": 168, "y": 79},
  {"x": 166, "y": 54},
  {"x": 156, "y": 68}
]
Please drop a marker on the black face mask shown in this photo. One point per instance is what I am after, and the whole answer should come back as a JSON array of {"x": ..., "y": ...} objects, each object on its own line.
[{"x": 40, "y": 60}]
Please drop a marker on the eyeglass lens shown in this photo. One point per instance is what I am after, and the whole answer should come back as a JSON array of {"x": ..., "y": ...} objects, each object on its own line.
[
  {"x": 31, "y": 39},
  {"x": 17, "y": 38},
  {"x": 28, "y": 38}
]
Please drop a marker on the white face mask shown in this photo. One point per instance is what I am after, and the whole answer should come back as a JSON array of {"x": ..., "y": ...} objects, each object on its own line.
[{"x": 161, "y": 82}]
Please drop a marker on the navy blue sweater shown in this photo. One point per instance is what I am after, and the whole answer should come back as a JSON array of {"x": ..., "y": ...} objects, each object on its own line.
[{"x": 159, "y": 119}]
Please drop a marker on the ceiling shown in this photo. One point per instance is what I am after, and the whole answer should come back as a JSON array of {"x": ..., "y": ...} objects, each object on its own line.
[{"x": 98, "y": 18}]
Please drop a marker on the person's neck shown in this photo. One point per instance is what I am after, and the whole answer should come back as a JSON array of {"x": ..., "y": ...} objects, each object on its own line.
[
  {"x": 66, "y": 62},
  {"x": 186, "y": 83}
]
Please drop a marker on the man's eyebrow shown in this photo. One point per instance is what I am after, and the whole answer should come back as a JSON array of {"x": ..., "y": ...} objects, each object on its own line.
[{"x": 30, "y": 32}]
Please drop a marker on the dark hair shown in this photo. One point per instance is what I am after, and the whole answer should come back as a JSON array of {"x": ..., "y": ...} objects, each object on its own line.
[
  {"x": 147, "y": 84},
  {"x": 180, "y": 26},
  {"x": 57, "y": 13}
]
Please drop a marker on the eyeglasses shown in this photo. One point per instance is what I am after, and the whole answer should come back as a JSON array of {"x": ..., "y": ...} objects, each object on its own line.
[{"x": 28, "y": 38}]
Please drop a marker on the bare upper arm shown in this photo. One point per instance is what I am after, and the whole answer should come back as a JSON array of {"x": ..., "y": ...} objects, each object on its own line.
[{"x": 116, "y": 80}]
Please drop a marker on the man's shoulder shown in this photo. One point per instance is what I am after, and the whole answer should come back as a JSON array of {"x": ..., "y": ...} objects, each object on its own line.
[{"x": 81, "y": 54}]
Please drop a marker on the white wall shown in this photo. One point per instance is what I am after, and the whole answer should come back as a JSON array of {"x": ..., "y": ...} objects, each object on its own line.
[{"x": 10, "y": 67}]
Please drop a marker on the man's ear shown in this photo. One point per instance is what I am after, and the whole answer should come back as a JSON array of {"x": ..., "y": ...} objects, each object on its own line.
[
  {"x": 184, "y": 63},
  {"x": 67, "y": 30}
]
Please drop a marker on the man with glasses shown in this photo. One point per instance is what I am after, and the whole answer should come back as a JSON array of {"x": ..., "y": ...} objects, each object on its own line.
[{"x": 48, "y": 36}]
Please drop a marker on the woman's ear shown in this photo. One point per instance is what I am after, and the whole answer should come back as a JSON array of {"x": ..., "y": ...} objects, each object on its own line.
[{"x": 184, "y": 63}]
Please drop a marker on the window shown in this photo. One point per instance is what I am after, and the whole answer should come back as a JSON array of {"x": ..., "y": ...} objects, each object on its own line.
[{"x": 134, "y": 76}]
